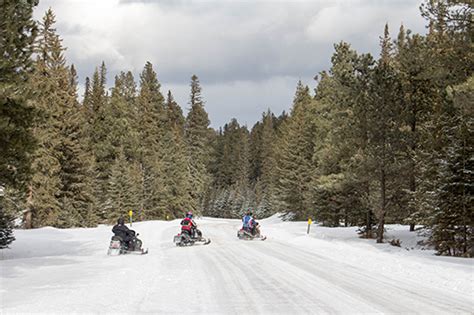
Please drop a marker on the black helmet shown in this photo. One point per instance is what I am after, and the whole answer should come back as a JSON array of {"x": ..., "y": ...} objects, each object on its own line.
[{"x": 121, "y": 221}]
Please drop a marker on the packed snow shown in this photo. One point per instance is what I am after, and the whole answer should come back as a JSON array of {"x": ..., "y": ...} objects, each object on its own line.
[{"x": 328, "y": 271}]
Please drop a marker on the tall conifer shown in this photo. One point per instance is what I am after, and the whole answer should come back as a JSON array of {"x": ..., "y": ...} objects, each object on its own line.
[
  {"x": 295, "y": 155},
  {"x": 152, "y": 119},
  {"x": 18, "y": 29},
  {"x": 50, "y": 80},
  {"x": 197, "y": 137}
]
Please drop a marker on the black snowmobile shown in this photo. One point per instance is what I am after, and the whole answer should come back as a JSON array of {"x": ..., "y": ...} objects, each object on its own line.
[
  {"x": 186, "y": 238},
  {"x": 118, "y": 246}
]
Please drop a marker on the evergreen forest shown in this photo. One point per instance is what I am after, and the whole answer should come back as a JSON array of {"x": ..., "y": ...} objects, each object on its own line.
[{"x": 377, "y": 139}]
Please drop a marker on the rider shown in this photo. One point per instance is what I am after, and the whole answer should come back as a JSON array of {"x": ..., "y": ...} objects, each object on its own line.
[
  {"x": 121, "y": 230},
  {"x": 246, "y": 221},
  {"x": 188, "y": 225},
  {"x": 254, "y": 227}
]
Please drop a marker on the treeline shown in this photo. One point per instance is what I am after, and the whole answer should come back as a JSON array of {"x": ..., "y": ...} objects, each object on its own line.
[
  {"x": 385, "y": 140},
  {"x": 67, "y": 163}
]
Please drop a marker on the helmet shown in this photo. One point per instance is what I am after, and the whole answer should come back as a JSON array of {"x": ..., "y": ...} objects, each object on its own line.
[
  {"x": 189, "y": 214},
  {"x": 121, "y": 221}
]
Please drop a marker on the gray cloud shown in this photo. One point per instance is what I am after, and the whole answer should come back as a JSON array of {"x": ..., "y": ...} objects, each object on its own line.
[{"x": 239, "y": 49}]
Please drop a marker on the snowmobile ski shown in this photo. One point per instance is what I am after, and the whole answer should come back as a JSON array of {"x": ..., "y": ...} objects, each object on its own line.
[
  {"x": 118, "y": 247},
  {"x": 136, "y": 252},
  {"x": 246, "y": 235},
  {"x": 184, "y": 239}
]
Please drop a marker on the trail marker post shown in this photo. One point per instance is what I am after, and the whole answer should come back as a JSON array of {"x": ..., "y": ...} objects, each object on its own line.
[
  {"x": 309, "y": 225},
  {"x": 130, "y": 214}
]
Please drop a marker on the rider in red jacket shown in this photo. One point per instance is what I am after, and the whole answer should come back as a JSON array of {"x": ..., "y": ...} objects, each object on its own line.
[{"x": 188, "y": 225}]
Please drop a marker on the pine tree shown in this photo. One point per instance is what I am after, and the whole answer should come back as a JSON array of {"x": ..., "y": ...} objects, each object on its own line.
[
  {"x": 340, "y": 187},
  {"x": 417, "y": 91},
  {"x": 16, "y": 116},
  {"x": 384, "y": 133},
  {"x": 358, "y": 166}
]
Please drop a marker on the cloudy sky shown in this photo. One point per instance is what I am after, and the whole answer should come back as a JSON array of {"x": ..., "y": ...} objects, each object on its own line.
[{"x": 248, "y": 54}]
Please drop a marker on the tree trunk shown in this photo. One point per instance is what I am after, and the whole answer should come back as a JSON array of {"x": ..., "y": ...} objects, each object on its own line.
[
  {"x": 382, "y": 207},
  {"x": 335, "y": 222},
  {"x": 380, "y": 228},
  {"x": 368, "y": 230},
  {"x": 27, "y": 215},
  {"x": 412, "y": 165}
]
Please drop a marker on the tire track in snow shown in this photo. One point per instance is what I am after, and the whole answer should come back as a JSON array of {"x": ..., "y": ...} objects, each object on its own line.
[
  {"x": 263, "y": 290},
  {"x": 387, "y": 295}
]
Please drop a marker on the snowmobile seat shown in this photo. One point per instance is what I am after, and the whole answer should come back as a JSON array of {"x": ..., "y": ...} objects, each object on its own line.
[{"x": 117, "y": 238}]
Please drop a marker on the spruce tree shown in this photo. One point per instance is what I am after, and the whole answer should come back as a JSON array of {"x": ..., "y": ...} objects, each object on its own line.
[
  {"x": 123, "y": 192},
  {"x": 295, "y": 156},
  {"x": 442, "y": 193},
  {"x": 230, "y": 167},
  {"x": 177, "y": 195},
  {"x": 98, "y": 111},
  {"x": 77, "y": 195},
  {"x": 453, "y": 217},
  {"x": 17, "y": 34},
  {"x": 49, "y": 80},
  {"x": 152, "y": 121},
  {"x": 267, "y": 182},
  {"x": 197, "y": 137}
]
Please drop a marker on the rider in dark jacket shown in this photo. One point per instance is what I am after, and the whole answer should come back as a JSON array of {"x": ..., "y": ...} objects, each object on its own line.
[
  {"x": 121, "y": 230},
  {"x": 254, "y": 227}
]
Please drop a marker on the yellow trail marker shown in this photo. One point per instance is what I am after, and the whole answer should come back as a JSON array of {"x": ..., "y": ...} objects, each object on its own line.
[
  {"x": 130, "y": 214},
  {"x": 309, "y": 225}
]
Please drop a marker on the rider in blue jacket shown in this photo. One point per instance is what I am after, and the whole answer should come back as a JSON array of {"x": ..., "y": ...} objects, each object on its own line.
[{"x": 246, "y": 221}]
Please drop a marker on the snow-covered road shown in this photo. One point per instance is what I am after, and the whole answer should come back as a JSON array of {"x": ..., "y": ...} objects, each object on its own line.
[{"x": 66, "y": 271}]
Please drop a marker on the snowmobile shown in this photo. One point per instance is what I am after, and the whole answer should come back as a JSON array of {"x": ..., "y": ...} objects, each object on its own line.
[
  {"x": 185, "y": 238},
  {"x": 118, "y": 246},
  {"x": 245, "y": 234}
]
